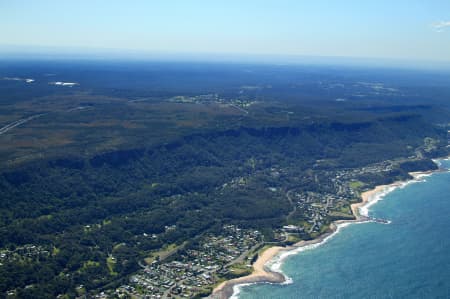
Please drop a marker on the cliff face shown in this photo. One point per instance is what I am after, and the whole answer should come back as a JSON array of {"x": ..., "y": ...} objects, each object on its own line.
[
  {"x": 85, "y": 206},
  {"x": 350, "y": 144}
]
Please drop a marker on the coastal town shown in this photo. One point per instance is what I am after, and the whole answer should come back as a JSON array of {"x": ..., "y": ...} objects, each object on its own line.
[
  {"x": 224, "y": 149},
  {"x": 193, "y": 270}
]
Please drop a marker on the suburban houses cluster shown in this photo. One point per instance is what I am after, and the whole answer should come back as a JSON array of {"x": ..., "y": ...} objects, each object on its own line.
[{"x": 193, "y": 270}]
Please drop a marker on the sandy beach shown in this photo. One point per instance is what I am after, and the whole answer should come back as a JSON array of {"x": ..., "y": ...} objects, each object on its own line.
[
  {"x": 420, "y": 174},
  {"x": 261, "y": 273},
  {"x": 366, "y": 198}
]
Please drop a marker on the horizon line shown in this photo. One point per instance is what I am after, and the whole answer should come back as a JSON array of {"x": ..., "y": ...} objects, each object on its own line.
[{"x": 21, "y": 52}]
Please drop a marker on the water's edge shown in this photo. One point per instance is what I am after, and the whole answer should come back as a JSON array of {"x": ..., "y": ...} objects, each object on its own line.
[{"x": 231, "y": 289}]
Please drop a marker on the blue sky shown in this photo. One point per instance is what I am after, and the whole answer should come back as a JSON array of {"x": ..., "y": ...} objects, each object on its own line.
[{"x": 399, "y": 29}]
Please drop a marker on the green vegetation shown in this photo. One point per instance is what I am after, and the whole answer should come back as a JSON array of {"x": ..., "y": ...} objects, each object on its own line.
[
  {"x": 162, "y": 254},
  {"x": 238, "y": 270},
  {"x": 356, "y": 185},
  {"x": 111, "y": 262},
  {"x": 142, "y": 173}
]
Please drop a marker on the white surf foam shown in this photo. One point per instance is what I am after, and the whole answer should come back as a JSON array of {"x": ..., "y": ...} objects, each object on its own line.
[
  {"x": 364, "y": 210},
  {"x": 373, "y": 199},
  {"x": 237, "y": 289},
  {"x": 276, "y": 263}
]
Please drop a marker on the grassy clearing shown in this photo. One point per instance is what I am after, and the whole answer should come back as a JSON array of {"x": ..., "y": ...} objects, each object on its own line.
[
  {"x": 293, "y": 238},
  {"x": 111, "y": 262},
  {"x": 356, "y": 185},
  {"x": 240, "y": 269},
  {"x": 161, "y": 254}
]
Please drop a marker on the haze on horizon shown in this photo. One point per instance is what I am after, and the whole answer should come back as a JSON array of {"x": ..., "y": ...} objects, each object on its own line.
[{"x": 407, "y": 30}]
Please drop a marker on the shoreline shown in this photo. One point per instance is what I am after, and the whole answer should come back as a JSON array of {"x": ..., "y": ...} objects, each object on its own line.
[{"x": 263, "y": 273}]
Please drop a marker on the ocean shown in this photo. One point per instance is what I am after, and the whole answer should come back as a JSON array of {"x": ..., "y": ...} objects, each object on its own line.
[{"x": 407, "y": 258}]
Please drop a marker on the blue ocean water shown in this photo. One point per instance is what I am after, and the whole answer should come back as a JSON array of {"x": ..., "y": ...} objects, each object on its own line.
[{"x": 408, "y": 258}]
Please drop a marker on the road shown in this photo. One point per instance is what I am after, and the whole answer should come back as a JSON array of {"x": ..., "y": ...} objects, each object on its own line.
[
  {"x": 19, "y": 122},
  {"x": 294, "y": 205}
]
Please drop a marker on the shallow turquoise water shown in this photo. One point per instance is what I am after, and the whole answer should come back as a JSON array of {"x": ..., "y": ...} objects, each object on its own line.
[{"x": 408, "y": 258}]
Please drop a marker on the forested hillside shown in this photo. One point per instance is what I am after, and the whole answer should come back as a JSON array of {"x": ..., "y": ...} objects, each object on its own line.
[
  {"x": 80, "y": 209},
  {"x": 131, "y": 164}
]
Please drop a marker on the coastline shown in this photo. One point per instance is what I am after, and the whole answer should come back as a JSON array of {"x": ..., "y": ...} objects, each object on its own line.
[
  {"x": 260, "y": 274},
  {"x": 266, "y": 272}
]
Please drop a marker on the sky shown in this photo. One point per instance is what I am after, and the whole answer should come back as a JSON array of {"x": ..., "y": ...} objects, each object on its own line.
[{"x": 392, "y": 29}]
